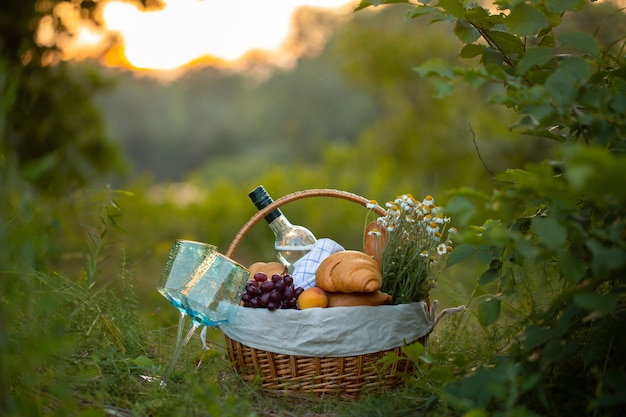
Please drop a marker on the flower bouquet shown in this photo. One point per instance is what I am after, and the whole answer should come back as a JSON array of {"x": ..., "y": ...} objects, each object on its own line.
[{"x": 413, "y": 241}]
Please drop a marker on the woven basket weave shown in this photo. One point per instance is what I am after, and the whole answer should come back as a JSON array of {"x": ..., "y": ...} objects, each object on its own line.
[{"x": 348, "y": 376}]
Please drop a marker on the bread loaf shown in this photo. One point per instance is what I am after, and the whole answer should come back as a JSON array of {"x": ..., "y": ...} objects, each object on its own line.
[
  {"x": 341, "y": 299},
  {"x": 349, "y": 271},
  {"x": 269, "y": 268}
]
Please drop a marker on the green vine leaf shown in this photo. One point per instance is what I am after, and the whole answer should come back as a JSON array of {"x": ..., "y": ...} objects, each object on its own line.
[
  {"x": 506, "y": 42},
  {"x": 367, "y": 3},
  {"x": 453, "y": 7},
  {"x": 489, "y": 276},
  {"x": 420, "y": 10},
  {"x": 435, "y": 66},
  {"x": 489, "y": 311},
  {"x": 472, "y": 50},
  {"x": 601, "y": 303},
  {"x": 525, "y": 20},
  {"x": 561, "y": 6},
  {"x": 578, "y": 67},
  {"x": 533, "y": 57},
  {"x": 461, "y": 253},
  {"x": 561, "y": 85},
  {"x": 550, "y": 232},
  {"x": 465, "y": 31},
  {"x": 581, "y": 41}
]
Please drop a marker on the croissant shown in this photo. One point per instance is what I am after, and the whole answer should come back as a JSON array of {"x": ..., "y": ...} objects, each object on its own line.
[
  {"x": 341, "y": 299},
  {"x": 349, "y": 271}
]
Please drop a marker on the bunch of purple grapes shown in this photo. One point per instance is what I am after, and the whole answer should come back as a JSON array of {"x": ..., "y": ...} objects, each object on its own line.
[{"x": 271, "y": 293}]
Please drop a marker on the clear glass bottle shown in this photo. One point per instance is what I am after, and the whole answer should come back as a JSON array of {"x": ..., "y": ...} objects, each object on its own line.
[{"x": 292, "y": 241}]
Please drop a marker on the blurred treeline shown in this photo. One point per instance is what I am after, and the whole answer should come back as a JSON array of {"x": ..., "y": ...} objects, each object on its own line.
[{"x": 359, "y": 96}]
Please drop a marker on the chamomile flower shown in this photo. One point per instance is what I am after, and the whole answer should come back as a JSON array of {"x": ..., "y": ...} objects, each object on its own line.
[
  {"x": 372, "y": 204},
  {"x": 442, "y": 249},
  {"x": 374, "y": 232},
  {"x": 432, "y": 228}
]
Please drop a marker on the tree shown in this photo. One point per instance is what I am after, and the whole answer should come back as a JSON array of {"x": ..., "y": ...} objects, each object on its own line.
[{"x": 48, "y": 122}]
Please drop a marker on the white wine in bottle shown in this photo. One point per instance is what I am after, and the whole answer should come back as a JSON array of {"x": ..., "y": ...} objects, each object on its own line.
[{"x": 292, "y": 241}]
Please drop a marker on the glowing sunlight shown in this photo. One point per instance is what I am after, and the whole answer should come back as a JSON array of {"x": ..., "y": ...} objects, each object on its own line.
[{"x": 185, "y": 31}]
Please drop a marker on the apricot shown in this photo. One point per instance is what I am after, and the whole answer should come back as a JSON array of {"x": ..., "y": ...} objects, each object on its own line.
[{"x": 312, "y": 297}]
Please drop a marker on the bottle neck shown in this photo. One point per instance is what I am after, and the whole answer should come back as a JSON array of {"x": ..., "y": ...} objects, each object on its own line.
[
  {"x": 279, "y": 224},
  {"x": 262, "y": 199}
]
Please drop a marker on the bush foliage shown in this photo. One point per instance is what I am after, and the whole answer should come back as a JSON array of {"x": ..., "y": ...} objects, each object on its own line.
[{"x": 552, "y": 237}]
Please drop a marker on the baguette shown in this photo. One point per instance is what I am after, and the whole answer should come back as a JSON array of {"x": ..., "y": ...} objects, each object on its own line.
[
  {"x": 341, "y": 299},
  {"x": 349, "y": 271},
  {"x": 374, "y": 240}
]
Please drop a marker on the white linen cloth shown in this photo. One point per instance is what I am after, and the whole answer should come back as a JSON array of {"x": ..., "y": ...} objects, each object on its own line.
[
  {"x": 329, "y": 332},
  {"x": 306, "y": 267}
]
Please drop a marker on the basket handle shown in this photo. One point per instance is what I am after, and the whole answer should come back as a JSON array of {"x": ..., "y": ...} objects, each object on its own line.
[{"x": 298, "y": 195}]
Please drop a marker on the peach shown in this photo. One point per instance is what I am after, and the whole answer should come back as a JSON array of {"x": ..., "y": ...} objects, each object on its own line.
[{"x": 312, "y": 297}]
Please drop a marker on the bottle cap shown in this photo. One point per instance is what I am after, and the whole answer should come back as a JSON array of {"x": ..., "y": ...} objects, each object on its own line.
[{"x": 262, "y": 199}]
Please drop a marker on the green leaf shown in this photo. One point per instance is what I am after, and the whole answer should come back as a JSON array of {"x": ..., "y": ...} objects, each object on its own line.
[
  {"x": 367, "y": 3},
  {"x": 472, "y": 50},
  {"x": 577, "y": 66},
  {"x": 474, "y": 77},
  {"x": 420, "y": 10},
  {"x": 525, "y": 20},
  {"x": 486, "y": 254},
  {"x": 562, "y": 87},
  {"x": 581, "y": 41},
  {"x": 443, "y": 88},
  {"x": 549, "y": 231},
  {"x": 605, "y": 258},
  {"x": 618, "y": 104},
  {"x": 488, "y": 276},
  {"x": 413, "y": 351},
  {"x": 143, "y": 361},
  {"x": 480, "y": 17},
  {"x": 535, "y": 336},
  {"x": 461, "y": 253},
  {"x": 601, "y": 303},
  {"x": 465, "y": 31},
  {"x": 572, "y": 267},
  {"x": 561, "y": 6},
  {"x": 440, "y": 374},
  {"x": 453, "y": 7},
  {"x": 492, "y": 60},
  {"x": 489, "y": 311},
  {"x": 476, "y": 412},
  {"x": 537, "y": 56},
  {"x": 435, "y": 66},
  {"x": 506, "y": 42}
]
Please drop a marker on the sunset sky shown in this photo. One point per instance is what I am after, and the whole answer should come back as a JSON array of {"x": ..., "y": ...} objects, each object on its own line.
[{"x": 183, "y": 31}]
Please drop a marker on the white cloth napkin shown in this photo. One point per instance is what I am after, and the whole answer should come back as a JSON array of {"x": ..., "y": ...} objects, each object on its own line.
[
  {"x": 329, "y": 332},
  {"x": 306, "y": 267}
]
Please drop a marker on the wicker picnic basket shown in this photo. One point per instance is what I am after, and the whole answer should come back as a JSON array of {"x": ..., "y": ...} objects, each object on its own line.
[{"x": 344, "y": 376}]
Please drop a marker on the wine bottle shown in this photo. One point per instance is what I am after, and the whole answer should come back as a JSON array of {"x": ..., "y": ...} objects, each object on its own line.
[{"x": 292, "y": 241}]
